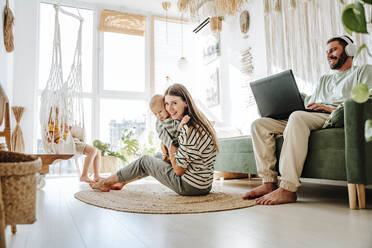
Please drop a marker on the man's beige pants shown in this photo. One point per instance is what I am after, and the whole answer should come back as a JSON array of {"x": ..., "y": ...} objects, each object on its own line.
[{"x": 296, "y": 132}]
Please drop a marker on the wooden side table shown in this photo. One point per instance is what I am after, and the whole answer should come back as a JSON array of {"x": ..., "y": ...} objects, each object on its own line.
[{"x": 47, "y": 160}]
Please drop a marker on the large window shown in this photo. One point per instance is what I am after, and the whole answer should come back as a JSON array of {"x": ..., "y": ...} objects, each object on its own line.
[
  {"x": 124, "y": 62},
  {"x": 114, "y": 89}
]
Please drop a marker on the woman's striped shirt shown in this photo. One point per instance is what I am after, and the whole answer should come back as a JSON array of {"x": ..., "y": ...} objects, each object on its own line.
[{"x": 197, "y": 155}]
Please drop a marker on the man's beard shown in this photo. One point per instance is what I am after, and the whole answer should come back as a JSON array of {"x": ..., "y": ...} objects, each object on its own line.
[{"x": 341, "y": 61}]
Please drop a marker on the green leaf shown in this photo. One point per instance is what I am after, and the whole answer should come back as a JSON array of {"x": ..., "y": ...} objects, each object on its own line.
[
  {"x": 368, "y": 130},
  {"x": 350, "y": 32},
  {"x": 363, "y": 46},
  {"x": 353, "y": 18},
  {"x": 360, "y": 93},
  {"x": 367, "y": 1},
  {"x": 342, "y": 1}
]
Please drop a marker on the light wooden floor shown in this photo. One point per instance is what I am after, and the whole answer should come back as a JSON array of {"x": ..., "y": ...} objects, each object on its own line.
[{"x": 321, "y": 218}]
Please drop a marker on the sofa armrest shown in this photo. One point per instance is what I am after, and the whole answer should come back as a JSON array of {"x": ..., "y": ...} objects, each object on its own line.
[{"x": 358, "y": 153}]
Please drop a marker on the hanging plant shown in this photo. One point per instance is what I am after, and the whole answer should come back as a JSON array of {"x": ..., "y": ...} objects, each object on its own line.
[{"x": 354, "y": 20}]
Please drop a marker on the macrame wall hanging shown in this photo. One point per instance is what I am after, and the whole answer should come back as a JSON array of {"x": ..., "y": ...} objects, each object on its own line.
[
  {"x": 61, "y": 110},
  {"x": 18, "y": 143},
  {"x": 211, "y": 8},
  {"x": 8, "y": 28},
  {"x": 296, "y": 37}
]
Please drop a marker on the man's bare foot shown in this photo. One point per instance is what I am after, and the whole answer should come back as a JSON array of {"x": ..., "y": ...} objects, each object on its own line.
[
  {"x": 85, "y": 179},
  {"x": 100, "y": 185},
  {"x": 260, "y": 191},
  {"x": 96, "y": 179},
  {"x": 117, "y": 186},
  {"x": 278, "y": 196}
]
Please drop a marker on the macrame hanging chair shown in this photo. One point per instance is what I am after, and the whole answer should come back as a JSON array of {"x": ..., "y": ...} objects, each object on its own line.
[{"x": 61, "y": 110}]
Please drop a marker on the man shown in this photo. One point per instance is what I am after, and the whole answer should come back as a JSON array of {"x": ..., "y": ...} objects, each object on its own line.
[{"x": 331, "y": 91}]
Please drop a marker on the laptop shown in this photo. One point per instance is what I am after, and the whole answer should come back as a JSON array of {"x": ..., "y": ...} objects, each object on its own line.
[{"x": 277, "y": 96}]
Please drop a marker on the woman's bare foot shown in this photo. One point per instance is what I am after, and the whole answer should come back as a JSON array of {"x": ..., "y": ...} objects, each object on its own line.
[
  {"x": 278, "y": 196},
  {"x": 100, "y": 185},
  {"x": 117, "y": 186},
  {"x": 259, "y": 191},
  {"x": 96, "y": 179},
  {"x": 85, "y": 179}
]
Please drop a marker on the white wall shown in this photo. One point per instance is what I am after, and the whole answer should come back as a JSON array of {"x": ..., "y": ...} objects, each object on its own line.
[
  {"x": 6, "y": 59},
  {"x": 25, "y": 66},
  {"x": 233, "y": 107}
]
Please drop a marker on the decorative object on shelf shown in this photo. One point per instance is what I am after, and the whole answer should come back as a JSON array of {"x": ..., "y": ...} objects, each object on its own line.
[
  {"x": 182, "y": 62},
  {"x": 213, "y": 88},
  {"x": 210, "y": 8},
  {"x": 246, "y": 65},
  {"x": 244, "y": 23},
  {"x": 166, "y": 5},
  {"x": 216, "y": 24},
  {"x": 211, "y": 48},
  {"x": 18, "y": 144},
  {"x": 246, "y": 68},
  {"x": 8, "y": 28}
]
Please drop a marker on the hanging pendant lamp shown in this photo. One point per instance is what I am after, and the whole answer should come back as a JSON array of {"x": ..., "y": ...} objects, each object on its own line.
[{"x": 182, "y": 62}]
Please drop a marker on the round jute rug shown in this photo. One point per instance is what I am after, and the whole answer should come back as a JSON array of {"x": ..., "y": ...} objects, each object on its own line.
[{"x": 155, "y": 198}]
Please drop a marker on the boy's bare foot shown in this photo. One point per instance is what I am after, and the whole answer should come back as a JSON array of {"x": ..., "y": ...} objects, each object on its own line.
[
  {"x": 260, "y": 191},
  {"x": 100, "y": 185},
  {"x": 85, "y": 179},
  {"x": 96, "y": 179},
  {"x": 117, "y": 186},
  {"x": 278, "y": 196}
]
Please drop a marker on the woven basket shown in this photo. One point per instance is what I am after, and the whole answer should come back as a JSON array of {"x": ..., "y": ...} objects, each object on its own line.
[{"x": 18, "y": 186}]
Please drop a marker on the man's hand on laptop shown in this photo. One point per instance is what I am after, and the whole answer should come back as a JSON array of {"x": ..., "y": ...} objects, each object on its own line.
[{"x": 320, "y": 107}]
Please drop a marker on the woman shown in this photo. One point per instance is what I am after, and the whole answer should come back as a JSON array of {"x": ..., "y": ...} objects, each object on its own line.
[{"x": 192, "y": 163}]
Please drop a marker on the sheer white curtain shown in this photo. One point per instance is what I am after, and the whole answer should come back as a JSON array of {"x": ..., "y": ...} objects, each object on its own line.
[{"x": 296, "y": 36}]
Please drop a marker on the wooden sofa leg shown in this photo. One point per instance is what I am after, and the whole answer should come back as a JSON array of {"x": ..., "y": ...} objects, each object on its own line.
[
  {"x": 352, "y": 195},
  {"x": 361, "y": 190}
]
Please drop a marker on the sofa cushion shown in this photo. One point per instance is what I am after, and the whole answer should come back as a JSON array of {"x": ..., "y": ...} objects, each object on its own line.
[
  {"x": 336, "y": 118},
  {"x": 326, "y": 154},
  {"x": 236, "y": 144}
]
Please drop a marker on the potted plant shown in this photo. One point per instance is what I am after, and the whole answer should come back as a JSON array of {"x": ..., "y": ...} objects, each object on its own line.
[
  {"x": 354, "y": 20},
  {"x": 111, "y": 160}
]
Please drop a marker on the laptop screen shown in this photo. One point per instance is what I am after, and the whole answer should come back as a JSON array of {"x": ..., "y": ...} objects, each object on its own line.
[{"x": 277, "y": 96}]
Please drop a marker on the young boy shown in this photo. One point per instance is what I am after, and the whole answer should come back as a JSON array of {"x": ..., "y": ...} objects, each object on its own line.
[
  {"x": 93, "y": 156},
  {"x": 167, "y": 128}
]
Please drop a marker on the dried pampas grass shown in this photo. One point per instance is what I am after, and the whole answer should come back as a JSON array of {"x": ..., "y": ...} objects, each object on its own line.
[
  {"x": 7, "y": 29},
  {"x": 212, "y": 7},
  {"x": 18, "y": 144}
]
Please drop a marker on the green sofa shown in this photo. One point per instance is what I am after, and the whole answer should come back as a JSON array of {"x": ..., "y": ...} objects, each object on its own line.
[{"x": 334, "y": 153}]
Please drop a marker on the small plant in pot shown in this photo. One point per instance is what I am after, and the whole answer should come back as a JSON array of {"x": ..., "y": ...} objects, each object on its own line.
[{"x": 111, "y": 159}]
